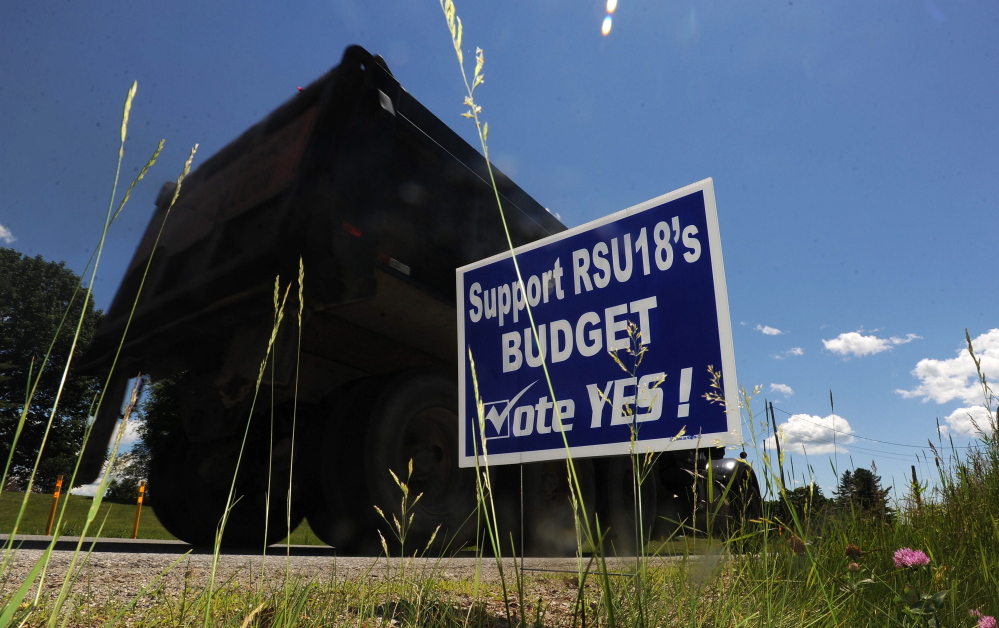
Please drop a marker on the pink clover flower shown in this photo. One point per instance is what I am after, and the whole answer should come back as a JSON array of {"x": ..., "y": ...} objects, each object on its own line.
[
  {"x": 984, "y": 621},
  {"x": 905, "y": 557}
]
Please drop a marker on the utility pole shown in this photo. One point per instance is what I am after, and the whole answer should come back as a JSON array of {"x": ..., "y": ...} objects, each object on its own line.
[
  {"x": 780, "y": 460},
  {"x": 916, "y": 490},
  {"x": 832, "y": 411}
]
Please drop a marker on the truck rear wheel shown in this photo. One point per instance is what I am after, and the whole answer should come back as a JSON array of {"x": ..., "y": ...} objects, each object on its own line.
[
  {"x": 675, "y": 508},
  {"x": 416, "y": 419},
  {"x": 176, "y": 507},
  {"x": 190, "y": 483},
  {"x": 337, "y": 511},
  {"x": 377, "y": 428},
  {"x": 549, "y": 519},
  {"x": 616, "y": 505},
  {"x": 735, "y": 498}
]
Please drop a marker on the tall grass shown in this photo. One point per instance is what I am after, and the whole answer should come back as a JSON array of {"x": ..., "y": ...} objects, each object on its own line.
[{"x": 832, "y": 568}]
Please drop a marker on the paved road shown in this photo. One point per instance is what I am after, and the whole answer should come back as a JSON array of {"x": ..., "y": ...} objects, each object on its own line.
[{"x": 153, "y": 546}]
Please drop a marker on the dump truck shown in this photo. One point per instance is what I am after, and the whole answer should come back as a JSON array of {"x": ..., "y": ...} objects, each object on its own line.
[{"x": 357, "y": 183}]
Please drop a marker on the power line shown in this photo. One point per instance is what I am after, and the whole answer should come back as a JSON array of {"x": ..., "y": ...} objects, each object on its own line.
[
  {"x": 893, "y": 455},
  {"x": 873, "y": 440}
]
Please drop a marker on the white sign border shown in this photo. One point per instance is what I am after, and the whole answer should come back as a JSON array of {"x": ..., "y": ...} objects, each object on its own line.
[{"x": 733, "y": 435}]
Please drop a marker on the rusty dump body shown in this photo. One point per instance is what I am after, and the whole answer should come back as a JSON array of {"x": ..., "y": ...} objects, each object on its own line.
[
  {"x": 378, "y": 197},
  {"x": 381, "y": 202}
]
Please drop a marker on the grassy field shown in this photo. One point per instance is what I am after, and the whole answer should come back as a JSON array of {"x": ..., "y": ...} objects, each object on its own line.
[{"x": 118, "y": 519}]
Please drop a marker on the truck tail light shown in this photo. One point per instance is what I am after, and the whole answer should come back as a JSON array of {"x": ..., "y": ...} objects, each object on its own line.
[{"x": 351, "y": 229}]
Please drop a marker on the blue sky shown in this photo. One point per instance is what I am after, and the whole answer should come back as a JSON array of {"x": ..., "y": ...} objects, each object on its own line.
[{"x": 853, "y": 148}]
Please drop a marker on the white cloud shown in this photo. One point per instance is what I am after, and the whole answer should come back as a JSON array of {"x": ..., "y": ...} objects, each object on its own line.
[
  {"x": 973, "y": 422},
  {"x": 768, "y": 330},
  {"x": 88, "y": 490},
  {"x": 813, "y": 435},
  {"x": 783, "y": 389},
  {"x": 956, "y": 379},
  {"x": 792, "y": 352},
  {"x": 130, "y": 436},
  {"x": 6, "y": 236},
  {"x": 856, "y": 344}
]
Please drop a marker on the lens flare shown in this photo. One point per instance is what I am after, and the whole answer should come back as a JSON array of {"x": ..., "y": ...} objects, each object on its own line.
[
  {"x": 611, "y": 6},
  {"x": 606, "y": 28}
]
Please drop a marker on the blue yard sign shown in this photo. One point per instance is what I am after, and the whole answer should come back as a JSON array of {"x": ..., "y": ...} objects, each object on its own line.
[{"x": 632, "y": 318}]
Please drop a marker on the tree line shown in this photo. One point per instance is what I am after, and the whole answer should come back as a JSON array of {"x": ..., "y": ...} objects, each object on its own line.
[
  {"x": 40, "y": 306},
  {"x": 858, "y": 492}
]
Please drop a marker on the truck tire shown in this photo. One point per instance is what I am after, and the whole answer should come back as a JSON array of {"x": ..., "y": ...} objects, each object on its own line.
[
  {"x": 616, "y": 503},
  {"x": 541, "y": 491},
  {"x": 178, "y": 509},
  {"x": 416, "y": 418},
  {"x": 549, "y": 518},
  {"x": 189, "y": 484},
  {"x": 736, "y": 497},
  {"x": 675, "y": 507},
  {"x": 378, "y": 426},
  {"x": 337, "y": 511}
]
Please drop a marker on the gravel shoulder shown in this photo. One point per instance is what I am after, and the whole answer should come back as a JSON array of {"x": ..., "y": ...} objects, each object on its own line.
[
  {"x": 121, "y": 576},
  {"x": 128, "y": 573}
]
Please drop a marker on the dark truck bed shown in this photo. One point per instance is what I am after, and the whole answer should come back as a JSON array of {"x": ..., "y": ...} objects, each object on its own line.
[{"x": 378, "y": 197}]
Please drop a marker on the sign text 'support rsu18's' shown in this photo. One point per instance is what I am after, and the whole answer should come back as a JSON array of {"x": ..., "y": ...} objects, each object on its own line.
[{"x": 649, "y": 277}]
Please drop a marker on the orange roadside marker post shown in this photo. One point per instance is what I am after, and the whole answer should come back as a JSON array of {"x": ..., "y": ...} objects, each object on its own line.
[
  {"x": 138, "y": 509},
  {"x": 55, "y": 503}
]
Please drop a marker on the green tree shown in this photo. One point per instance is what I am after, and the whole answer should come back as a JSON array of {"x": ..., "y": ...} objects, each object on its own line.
[
  {"x": 160, "y": 413},
  {"x": 122, "y": 490},
  {"x": 36, "y": 296},
  {"x": 860, "y": 491},
  {"x": 807, "y": 503}
]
